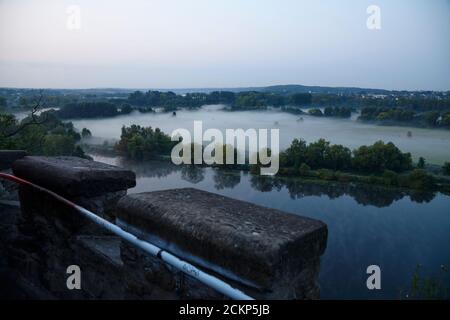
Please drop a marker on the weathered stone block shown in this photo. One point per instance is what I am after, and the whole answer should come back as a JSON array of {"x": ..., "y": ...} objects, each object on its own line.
[
  {"x": 51, "y": 236},
  {"x": 7, "y": 157},
  {"x": 267, "y": 253},
  {"x": 74, "y": 177},
  {"x": 261, "y": 247}
]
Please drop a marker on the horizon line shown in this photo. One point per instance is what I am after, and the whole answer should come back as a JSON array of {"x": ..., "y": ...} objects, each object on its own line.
[{"x": 222, "y": 88}]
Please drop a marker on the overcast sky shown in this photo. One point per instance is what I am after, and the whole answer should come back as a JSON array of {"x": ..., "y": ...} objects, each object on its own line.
[{"x": 224, "y": 43}]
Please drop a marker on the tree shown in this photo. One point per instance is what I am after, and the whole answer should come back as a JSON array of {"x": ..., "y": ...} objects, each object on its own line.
[
  {"x": 126, "y": 109},
  {"x": 344, "y": 112},
  {"x": 421, "y": 163},
  {"x": 445, "y": 121},
  {"x": 88, "y": 110},
  {"x": 141, "y": 143},
  {"x": 294, "y": 155},
  {"x": 39, "y": 135},
  {"x": 2, "y": 103},
  {"x": 328, "y": 112},
  {"x": 421, "y": 180},
  {"x": 299, "y": 99},
  {"x": 446, "y": 168},
  {"x": 379, "y": 157},
  {"x": 315, "y": 112},
  {"x": 304, "y": 170},
  {"x": 137, "y": 98},
  {"x": 86, "y": 133},
  {"x": 384, "y": 114},
  {"x": 9, "y": 125},
  {"x": 338, "y": 157},
  {"x": 225, "y": 97},
  {"x": 390, "y": 178},
  {"x": 431, "y": 118},
  {"x": 316, "y": 154},
  {"x": 58, "y": 145},
  {"x": 341, "y": 112}
]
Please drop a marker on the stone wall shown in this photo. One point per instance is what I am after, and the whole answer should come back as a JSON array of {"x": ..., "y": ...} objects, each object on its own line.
[{"x": 266, "y": 253}]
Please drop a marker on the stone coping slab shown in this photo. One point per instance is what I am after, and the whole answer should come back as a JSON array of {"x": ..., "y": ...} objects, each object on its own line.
[
  {"x": 254, "y": 243},
  {"x": 7, "y": 157},
  {"x": 73, "y": 176}
]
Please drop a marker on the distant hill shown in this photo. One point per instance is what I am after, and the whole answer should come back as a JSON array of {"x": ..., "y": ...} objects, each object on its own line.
[
  {"x": 297, "y": 88},
  {"x": 289, "y": 89},
  {"x": 281, "y": 89}
]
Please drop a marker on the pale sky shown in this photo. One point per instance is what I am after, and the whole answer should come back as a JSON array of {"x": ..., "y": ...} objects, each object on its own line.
[{"x": 224, "y": 43}]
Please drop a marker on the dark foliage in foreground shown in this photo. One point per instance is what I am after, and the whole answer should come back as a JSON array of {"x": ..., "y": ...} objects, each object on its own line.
[{"x": 47, "y": 136}]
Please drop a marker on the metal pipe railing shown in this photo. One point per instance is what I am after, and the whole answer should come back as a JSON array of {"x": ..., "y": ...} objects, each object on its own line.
[{"x": 148, "y": 247}]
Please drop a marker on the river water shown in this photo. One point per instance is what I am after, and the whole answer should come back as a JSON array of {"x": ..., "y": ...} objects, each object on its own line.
[{"x": 368, "y": 225}]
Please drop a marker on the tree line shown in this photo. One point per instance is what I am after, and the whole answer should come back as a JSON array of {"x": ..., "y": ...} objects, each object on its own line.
[
  {"x": 334, "y": 112},
  {"x": 380, "y": 163},
  {"x": 417, "y": 111},
  {"x": 169, "y": 101},
  {"x": 143, "y": 143},
  {"x": 415, "y": 102},
  {"x": 92, "y": 110},
  {"x": 366, "y": 159},
  {"x": 238, "y": 100},
  {"x": 386, "y": 115}
]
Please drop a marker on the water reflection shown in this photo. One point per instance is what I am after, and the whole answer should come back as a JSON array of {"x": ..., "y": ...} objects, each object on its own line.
[
  {"x": 394, "y": 229},
  {"x": 226, "y": 180},
  {"x": 297, "y": 188},
  {"x": 361, "y": 193},
  {"x": 192, "y": 174}
]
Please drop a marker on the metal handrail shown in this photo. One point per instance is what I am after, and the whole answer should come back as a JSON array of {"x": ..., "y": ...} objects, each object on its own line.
[{"x": 148, "y": 247}]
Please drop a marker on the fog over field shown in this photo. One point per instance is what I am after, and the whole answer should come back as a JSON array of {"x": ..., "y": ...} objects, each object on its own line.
[{"x": 432, "y": 144}]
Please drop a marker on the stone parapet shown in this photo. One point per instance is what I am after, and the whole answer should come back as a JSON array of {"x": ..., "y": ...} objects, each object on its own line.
[{"x": 257, "y": 247}]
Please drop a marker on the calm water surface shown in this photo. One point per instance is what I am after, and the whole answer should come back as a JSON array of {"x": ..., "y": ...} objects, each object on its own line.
[{"x": 367, "y": 225}]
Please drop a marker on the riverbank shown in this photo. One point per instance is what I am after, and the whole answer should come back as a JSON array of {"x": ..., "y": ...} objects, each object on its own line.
[
  {"x": 432, "y": 144},
  {"x": 423, "y": 180}
]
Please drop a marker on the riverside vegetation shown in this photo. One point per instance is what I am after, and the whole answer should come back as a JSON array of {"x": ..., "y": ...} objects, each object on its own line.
[
  {"x": 380, "y": 163},
  {"x": 417, "y": 109},
  {"x": 413, "y": 112},
  {"x": 377, "y": 164}
]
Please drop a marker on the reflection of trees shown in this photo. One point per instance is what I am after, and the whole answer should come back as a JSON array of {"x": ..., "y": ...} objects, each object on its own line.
[
  {"x": 161, "y": 169},
  {"x": 193, "y": 174},
  {"x": 150, "y": 169},
  {"x": 226, "y": 179},
  {"x": 265, "y": 183},
  {"x": 422, "y": 197},
  {"x": 374, "y": 195},
  {"x": 362, "y": 193}
]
